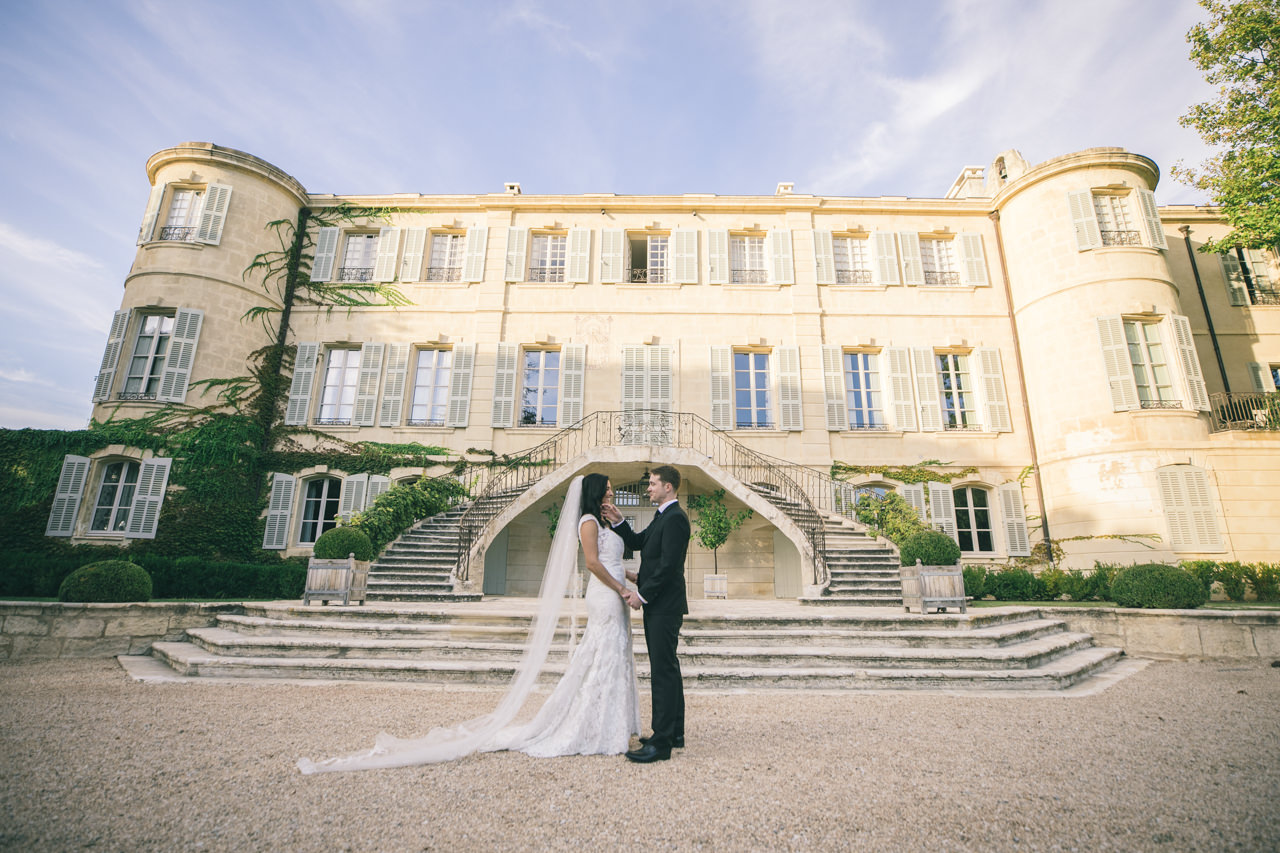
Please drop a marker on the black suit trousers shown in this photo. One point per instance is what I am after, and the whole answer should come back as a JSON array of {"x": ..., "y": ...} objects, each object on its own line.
[{"x": 661, "y": 636}]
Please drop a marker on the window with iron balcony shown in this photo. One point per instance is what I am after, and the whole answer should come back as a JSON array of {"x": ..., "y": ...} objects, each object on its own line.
[
  {"x": 358, "y": 257},
  {"x": 547, "y": 257},
  {"x": 445, "y": 263},
  {"x": 746, "y": 260},
  {"x": 649, "y": 258}
]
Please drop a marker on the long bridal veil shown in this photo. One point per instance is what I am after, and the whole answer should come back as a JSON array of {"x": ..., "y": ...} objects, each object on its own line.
[{"x": 447, "y": 744}]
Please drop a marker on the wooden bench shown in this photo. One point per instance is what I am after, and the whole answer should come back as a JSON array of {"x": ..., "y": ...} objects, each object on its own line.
[
  {"x": 933, "y": 588},
  {"x": 331, "y": 580}
]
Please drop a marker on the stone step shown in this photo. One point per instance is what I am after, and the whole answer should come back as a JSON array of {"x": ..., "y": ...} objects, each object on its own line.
[
  {"x": 402, "y": 575},
  {"x": 390, "y": 597},
  {"x": 851, "y": 600}
]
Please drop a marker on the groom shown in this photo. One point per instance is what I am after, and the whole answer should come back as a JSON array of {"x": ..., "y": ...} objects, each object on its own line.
[{"x": 660, "y": 582}]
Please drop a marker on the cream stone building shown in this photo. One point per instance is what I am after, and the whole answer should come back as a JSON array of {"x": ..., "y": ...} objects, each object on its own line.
[{"x": 1048, "y": 329}]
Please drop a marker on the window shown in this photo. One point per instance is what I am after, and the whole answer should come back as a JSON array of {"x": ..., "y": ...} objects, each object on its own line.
[
  {"x": 746, "y": 260},
  {"x": 973, "y": 520},
  {"x": 146, "y": 365},
  {"x": 320, "y": 508},
  {"x": 862, "y": 391},
  {"x": 431, "y": 388},
  {"x": 1115, "y": 216},
  {"x": 1150, "y": 366},
  {"x": 751, "y": 390},
  {"x": 650, "y": 258},
  {"x": 540, "y": 388},
  {"x": 1249, "y": 279},
  {"x": 184, "y": 215},
  {"x": 852, "y": 257},
  {"x": 547, "y": 258},
  {"x": 115, "y": 497},
  {"x": 359, "y": 254},
  {"x": 338, "y": 398},
  {"x": 938, "y": 258},
  {"x": 446, "y": 257},
  {"x": 957, "y": 397}
]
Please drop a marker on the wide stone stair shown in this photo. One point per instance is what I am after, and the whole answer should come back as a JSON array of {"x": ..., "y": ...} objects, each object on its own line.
[{"x": 770, "y": 646}]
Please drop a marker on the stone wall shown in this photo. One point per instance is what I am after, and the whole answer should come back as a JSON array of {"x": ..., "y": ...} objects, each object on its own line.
[
  {"x": 43, "y": 630},
  {"x": 1177, "y": 634}
]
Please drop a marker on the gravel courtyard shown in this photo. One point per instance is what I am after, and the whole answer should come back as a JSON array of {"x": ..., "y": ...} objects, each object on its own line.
[{"x": 1177, "y": 757}]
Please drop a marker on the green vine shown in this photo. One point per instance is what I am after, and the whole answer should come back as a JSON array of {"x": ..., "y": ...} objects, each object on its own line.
[{"x": 926, "y": 471}]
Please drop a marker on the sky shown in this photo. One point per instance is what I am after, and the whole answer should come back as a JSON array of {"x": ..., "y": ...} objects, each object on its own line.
[{"x": 842, "y": 97}]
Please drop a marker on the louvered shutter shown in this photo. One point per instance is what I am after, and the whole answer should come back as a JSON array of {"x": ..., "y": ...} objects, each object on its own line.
[
  {"x": 517, "y": 244},
  {"x": 573, "y": 368},
  {"x": 1015, "y": 519},
  {"x": 352, "y": 496},
  {"x": 477, "y": 243},
  {"x": 1085, "y": 220},
  {"x": 504, "y": 385},
  {"x": 613, "y": 243},
  {"x": 1188, "y": 507},
  {"x": 884, "y": 269},
  {"x": 824, "y": 258},
  {"x": 464, "y": 361},
  {"x": 900, "y": 394},
  {"x": 144, "y": 514},
  {"x": 326, "y": 254},
  {"x": 833, "y": 386},
  {"x": 279, "y": 510},
  {"x": 304, "y": 376},
  {"x": 1151, "y": 216},
  {"x": 181, "y": 355},
  {"x": 378, "y": 485},
  {"x": 1183, "y": 339},
  {"x": 718, "y": 256},
  {"x": 942, "y": 509},
  {"x": 912, "y": 264},
  {"x": 415, "y": 249},
  {"x": 365, "y": 410},
  {"x": 973, "y": 261},
  {"x": 659, "y": 371},
  {"x": 913, "y": 494},
  {"x": 393, "y": 384},
  {"x": 685, "y": 255},
  {"x": 1115, "y": 356},
  {"x": 384, "y": 266},
  {"x": 111, "y": 357},
  {"x": 1204, "y": 522},
  {"x": 926, "y": 369},
  {"x": 148, "y": 229},
  {"x": 991, "y": 379},
  {"x": 635, "y": 386},
  {"x": 1234, "y": 276},
  {"x": 217, "y": 199},
  {"x": 67, "y": 496},
  {"x": 579, "y": 255},
  {"x": 1260, "y": 373},
  {"x": 790, "y": 410},
  {"x": 781, "y": 260},
  {"x": 721, "y": 388}
]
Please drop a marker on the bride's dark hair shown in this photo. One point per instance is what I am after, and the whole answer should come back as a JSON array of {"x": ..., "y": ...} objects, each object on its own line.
[{"x": 594, "y": 487}]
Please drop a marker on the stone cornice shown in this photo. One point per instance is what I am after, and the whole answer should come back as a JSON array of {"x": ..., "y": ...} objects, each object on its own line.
[{"x": 208, "y": 152}]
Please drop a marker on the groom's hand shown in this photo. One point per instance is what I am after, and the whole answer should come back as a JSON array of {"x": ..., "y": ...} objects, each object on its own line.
[{"x": 611, "y": 513}]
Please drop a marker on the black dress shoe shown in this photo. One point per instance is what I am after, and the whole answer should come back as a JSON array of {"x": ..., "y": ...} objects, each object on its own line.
[
  {"x": 678, "y": 743},
  {"x": 648, "y": 753}
]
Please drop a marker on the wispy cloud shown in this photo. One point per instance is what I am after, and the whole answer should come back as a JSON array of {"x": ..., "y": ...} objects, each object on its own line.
[{"x": 556, "y": 33}]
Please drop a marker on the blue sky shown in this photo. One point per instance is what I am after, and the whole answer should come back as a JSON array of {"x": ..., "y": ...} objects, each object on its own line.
[{"x": 368, "y": 96}]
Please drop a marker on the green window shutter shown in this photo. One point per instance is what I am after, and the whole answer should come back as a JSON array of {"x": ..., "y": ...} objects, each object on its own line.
[
  {"x": 279, "y": 510},
  {"x": 67, "y": 496},
  {"x": 464, "y": 360},
  {"x": 1115, "y": 357},
  {"x": 111, "y": 357},
  {"x": 304, "y": 375},
  {"x": 144, "y": 514},
  {"x": 178, "y": 361},
  {"x": 217, "y": 198}
]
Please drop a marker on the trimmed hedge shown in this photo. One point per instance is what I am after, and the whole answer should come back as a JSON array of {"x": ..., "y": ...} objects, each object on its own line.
[
  {"x": 40, "y": 575},
  {"x": 1014, "y": 584},
  {"x": 337, "y": 543},
  {"x": 929, "y": 547},
  {"x": 1157, "y": 585},
  {"x": 107, "y": 581}
]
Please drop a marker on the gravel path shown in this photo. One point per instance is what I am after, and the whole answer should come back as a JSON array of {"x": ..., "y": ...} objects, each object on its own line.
[{"x": 1178, "y": 757}]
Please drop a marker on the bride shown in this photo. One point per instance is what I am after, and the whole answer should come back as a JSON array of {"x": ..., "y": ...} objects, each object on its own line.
[{"x": 595, "y": 708}]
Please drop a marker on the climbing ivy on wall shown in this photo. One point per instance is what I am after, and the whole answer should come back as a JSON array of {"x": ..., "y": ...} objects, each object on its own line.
[{"x": 929, "y": 470}]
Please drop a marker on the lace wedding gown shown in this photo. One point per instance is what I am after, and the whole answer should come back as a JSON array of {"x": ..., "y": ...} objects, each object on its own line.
[{"x": 595, "y": 709}]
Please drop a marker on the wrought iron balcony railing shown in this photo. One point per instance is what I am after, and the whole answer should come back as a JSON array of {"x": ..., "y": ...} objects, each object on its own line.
[
  {"x": 942, "y": 279},
  {"x": 1235, "y": 411},
  {"x": 425, "y": 422},
  {"x": 332, "y": 421},
  {"x": 1161, "y": 404},
  {"x": 1264, "y": 296},
  {"x": 652, "y": 275},
  {"x": 444, "y": 273},
  {"x": 136, "y": 395},
  {"x": 546, "y": 274},
  {"x": 853, "y": 277},
  {"x": 1121, "y": 238},
  {"x": 355, "y": 273},
  {"x": 748, "y": 276},
  {"x": 178, "y": 233}
]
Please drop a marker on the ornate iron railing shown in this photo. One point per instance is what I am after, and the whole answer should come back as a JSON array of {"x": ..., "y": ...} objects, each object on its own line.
[
  {"x": 444, "y": 273},
  {"x": 136, "y": 395},
  {"x": 945, "y": 279},
  {"x": 853, "y": 277},
  {"x": 748, "y": 276},
  {"x": 1264, "y": 296},
  {"x": 546, "y": 274},
  {"x": 652, "y": 275},
  {"x": 425, "y": 422},
  {"x": 355, "y": 273},
  {"x": 1235, "y": 411},
  {"x": 1121, "y": 238},
  {"x": 765, "y": 475},
  {"x": 178, "y": 233},
  {"x": 1160, "y": 404}
]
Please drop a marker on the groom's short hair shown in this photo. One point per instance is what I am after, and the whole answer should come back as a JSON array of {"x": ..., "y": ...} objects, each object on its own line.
[{"x": 669, "y": 475}]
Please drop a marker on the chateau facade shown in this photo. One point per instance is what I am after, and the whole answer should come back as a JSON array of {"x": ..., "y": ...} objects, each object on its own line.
[{"x": 1046, "y": 334}]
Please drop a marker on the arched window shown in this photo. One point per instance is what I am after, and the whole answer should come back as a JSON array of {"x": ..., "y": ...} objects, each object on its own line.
[
  {"x": 320, "y": 503},
  {"x": 973, "y": 520}
]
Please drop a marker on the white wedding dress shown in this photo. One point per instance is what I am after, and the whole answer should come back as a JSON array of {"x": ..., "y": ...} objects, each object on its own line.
[{"x": 595, "y": 707}]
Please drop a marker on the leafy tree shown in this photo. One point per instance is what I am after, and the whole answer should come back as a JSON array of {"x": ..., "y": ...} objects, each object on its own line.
[
  {"x": 714, "y": 521},
  {"x": 1238, "y": 48}
]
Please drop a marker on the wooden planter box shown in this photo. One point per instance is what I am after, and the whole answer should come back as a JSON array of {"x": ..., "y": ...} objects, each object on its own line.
[
  {"x": 932, "y": 588},
  {"x": 333, "y": 580}
]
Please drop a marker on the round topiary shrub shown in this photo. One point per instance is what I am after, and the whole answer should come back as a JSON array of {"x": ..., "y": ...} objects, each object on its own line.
[
  {"x": 1157, "y": 585},
  {"x": 337, "y": 543},
  {"x": 931, "y": 548},
  {"x": 107, "y": 580}
]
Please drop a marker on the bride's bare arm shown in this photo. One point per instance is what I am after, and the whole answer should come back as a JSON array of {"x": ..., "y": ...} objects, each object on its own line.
[{"x": 587, "y": 535}]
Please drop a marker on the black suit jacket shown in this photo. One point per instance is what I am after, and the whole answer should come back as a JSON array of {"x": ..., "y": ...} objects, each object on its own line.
[{"x": 662, "y": 546}]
